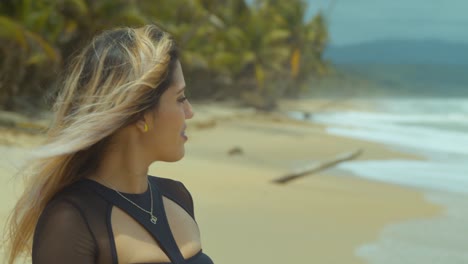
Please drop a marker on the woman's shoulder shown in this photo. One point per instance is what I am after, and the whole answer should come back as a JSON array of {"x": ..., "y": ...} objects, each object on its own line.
[
  {"x": 78, "y": 202},
  {"x": 67, "y": 225},
  {"x": 77, "y": 190},
  {"x": 78, "y": 196}
]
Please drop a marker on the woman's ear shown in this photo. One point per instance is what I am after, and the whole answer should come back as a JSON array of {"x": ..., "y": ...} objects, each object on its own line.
[
  {"x": 142, "y": 125},
  {"x": 144, "y": 122}
]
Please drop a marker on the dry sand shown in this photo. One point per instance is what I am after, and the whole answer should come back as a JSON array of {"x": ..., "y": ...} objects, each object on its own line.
[{"x": 243, "y": 217}]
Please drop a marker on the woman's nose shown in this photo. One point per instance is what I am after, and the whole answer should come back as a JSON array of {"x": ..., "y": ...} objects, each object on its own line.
[{"x": 189, "y": 111}]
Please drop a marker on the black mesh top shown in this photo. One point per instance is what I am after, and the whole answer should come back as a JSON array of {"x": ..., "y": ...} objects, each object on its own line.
[{"x": 75, "y": 227}]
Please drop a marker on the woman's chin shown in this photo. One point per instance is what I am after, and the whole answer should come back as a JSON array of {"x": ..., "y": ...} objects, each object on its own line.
[{"x": 175, "y": 157}]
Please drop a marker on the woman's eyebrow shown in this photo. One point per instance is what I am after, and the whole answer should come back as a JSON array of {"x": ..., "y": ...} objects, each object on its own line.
[{"x": 181, "y": 90}]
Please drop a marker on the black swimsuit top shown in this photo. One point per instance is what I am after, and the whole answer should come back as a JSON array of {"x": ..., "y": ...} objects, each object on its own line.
[{"x": 75, "y": 225}]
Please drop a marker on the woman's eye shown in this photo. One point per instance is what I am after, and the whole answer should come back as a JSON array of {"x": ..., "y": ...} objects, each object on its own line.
[{"x": 182, "y": 99}]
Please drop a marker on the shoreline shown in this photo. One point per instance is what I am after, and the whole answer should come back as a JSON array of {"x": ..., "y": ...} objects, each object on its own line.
[
  {"x": 323, "y": 217},
  {"x": 439, "y": 175}
]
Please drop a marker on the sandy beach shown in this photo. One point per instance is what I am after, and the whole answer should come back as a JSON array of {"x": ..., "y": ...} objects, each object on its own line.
[{"x": 232, "y": 156}]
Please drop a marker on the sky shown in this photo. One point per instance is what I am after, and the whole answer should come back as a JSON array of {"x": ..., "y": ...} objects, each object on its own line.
[{"x": 356, "y": 21}]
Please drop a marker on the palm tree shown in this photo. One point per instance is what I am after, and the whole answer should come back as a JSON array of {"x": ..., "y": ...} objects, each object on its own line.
[
  {"x": 306, "y": 41},
  {"x": 40, "y": 32},
  {"x": 228, "y": 47},
  {"x": 23, "y": 49},
  {"x": 86, "y": 18},
  {"x": 247, "y": 48}
]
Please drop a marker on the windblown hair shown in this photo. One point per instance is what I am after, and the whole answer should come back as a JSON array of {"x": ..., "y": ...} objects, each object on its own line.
[{"x": 118, "y": 77}]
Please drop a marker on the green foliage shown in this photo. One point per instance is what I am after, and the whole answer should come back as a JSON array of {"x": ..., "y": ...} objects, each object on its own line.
[
  {"x": 27, "y": 53},
  {"x": 229, "y": 48}
]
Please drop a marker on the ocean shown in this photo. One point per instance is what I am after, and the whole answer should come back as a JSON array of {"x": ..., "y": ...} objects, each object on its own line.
[{"x": 436, "y": 129}]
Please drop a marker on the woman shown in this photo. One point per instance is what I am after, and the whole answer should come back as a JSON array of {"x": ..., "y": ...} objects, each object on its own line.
[{"x": 89, "y": 199}]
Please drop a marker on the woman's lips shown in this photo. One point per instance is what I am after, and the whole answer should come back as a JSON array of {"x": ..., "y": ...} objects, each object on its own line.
[{"x": 183, "y": 132}]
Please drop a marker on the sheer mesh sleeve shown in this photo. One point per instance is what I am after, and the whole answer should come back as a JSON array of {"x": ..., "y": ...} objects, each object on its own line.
[{"x": 62, "y": 235}]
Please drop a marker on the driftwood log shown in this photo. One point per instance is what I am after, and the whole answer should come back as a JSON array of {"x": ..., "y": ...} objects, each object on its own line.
[{"x": 306, "y": 170}]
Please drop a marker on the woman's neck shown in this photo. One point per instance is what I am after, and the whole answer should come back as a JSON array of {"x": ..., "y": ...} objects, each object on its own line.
[{"x": 123, "y": 167}]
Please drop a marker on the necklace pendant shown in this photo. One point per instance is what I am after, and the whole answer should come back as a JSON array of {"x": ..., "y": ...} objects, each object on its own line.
[{"x": 153, "y": 219}]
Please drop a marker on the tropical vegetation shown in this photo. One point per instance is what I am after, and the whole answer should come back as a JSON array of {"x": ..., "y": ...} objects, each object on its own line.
[{"x": 255, "y": 50}]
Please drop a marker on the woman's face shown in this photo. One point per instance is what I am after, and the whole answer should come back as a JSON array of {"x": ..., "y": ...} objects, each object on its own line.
[{"x": 166, "y": 133}]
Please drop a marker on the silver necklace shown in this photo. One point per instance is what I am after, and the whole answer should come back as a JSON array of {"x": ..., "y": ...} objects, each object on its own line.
[{"x": 153, "y": 218}]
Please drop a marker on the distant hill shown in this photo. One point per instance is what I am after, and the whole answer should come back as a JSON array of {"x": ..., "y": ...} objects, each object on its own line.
[
  {"x": 428, "y": 79},
  {"x": 400, "y": 52},
  {"x": 393, "y": 80},
  {"x": 398, "y": 68}
]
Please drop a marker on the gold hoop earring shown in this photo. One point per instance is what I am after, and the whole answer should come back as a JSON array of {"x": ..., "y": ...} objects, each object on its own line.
[{"x": 145, "y": 128}]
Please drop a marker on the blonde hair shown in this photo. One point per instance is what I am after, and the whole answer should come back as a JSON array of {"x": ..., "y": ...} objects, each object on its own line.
[{"x": 119, "y": 76}]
